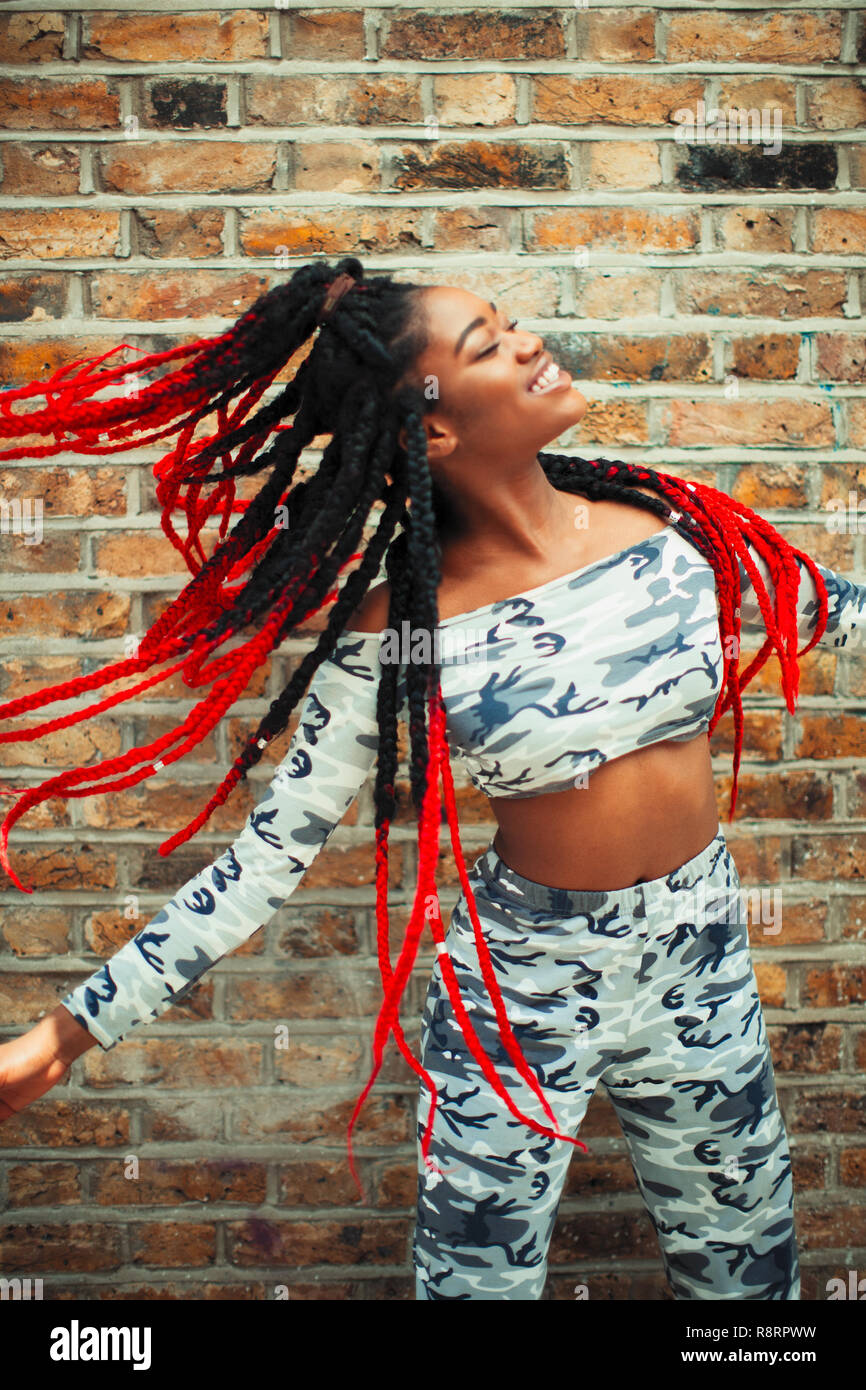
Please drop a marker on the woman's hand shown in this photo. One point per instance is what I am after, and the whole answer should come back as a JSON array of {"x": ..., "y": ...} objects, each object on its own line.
[{"x": 39, "y": 1059}]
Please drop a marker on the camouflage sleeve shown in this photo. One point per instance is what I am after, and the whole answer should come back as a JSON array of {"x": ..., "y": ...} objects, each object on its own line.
[
  {"x": 327, "y": 763},
  {"x": 846, "y": 605}
]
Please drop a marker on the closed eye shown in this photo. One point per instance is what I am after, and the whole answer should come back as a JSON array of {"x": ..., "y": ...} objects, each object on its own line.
[{"x": 494, "y": 346}]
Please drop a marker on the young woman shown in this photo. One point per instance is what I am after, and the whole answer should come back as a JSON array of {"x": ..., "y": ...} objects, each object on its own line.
[{"x": 592, "y": 612}]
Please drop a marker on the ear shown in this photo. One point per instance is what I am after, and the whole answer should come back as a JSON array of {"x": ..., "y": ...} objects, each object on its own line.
[{"x": 402, "y": 438}]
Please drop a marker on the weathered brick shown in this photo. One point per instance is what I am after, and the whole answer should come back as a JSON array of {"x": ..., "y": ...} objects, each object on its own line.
[
  {"x": 615, "y": 36},
  {"x": 79, "y": 1245},
  {"x": 604, "y": 294},
  {"x": 178, "y": 1182},
  {"x": 564, "y": 100},
  {"x": 806, "y": 424},
  {"x": 290, "y": 99},
  {"x": 84, "y": 615},
  {"x": 35, "y": 169},
  {"x": 59, "y": 103},
  {"x": 833, "y": 986},
  {"x": 299, "y": 1243},
  {"x": 36, "y": 931},
  {"x": 59, "y": 868},
  {"x": 857, "y": 424},
  {"x": 190, "y": 166},
  {"x": 502, "y": 36},
  {"x": 55, "y": 234},
  {"x": 319, "y": 1183},
  {"x": 172, "y": 1245},
  {"x": 623, "y": 164},
  {"x": 301, "y": 994},
  {"x": 838, "y": 103},
  {"x": 472, "y": 228},
  {"x": 748, "y": 166},
  {"x": 191, "y": 233},
  {"x": 475, "y": 164},
  {"x": 203, "y": 36},
  {"x": 840, "y": 356},
  {"x": 839, "y": 231},
  {"x": 485, "y": 99},
  {"x": 755, "y": 229},
  {"x": 69, "y": 491},
  {"x": 312, "y": 1061},
  {"x": 44, "y": 1184},
  {"x": 745, "y": 37},
  {"x": 324, "y": 35},
  {"x": 186, "y": 103},
  {"x": 611, "y": 229},
  {"x": 824, "y": 857},
  {"x": 31, "y": 294},
  {"x": 766, "y": 94},
  {"x": 609, "y": 357},
  {"x": 769, "y": 294},
  {"x": 160, "y": 1061},
  {"x": 767, "y": 356},
  {"x": 32, "y": 38},
  {"x": 857, "y": 165},
  {"x": 613, "y": 423}
]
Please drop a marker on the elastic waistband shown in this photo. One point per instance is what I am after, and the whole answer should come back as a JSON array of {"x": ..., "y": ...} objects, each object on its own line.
[{"x": 569, "y": 901}]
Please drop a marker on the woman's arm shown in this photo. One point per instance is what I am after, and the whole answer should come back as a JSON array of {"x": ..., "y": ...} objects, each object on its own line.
[
  {"x": 846, "y": 605},
  {"x": 327, "y": 763}
]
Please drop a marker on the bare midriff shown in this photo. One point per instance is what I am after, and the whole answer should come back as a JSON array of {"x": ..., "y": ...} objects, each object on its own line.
[{"x": 639, "y": 817}]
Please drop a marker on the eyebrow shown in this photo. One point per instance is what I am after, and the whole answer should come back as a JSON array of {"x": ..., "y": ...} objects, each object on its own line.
[{"x": 476, "y": 323}]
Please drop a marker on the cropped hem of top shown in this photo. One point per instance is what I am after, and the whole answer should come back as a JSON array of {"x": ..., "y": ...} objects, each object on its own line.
[{"x": 540, "y": 689}]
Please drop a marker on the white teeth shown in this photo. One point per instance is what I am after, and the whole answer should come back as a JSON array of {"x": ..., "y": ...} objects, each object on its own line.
[{"x": 547, "y": 378}]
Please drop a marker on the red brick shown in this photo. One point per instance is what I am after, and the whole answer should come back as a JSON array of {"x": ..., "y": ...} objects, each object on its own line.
[
  {"x": 38, "y": 170},
  {"x": 190, "y": 233},
  {"x": 610, "y": 229},
  {"x": 324, "y": 35},
  {"x": 763, "y": 36},
  {"x": 207, "y": 35},
  {"x": 190, "y": 166},
  {"x": 839, "y": 231},
  {"x": 837, "y": 103},
  {"x": 840, "y": 357},
  {"x": 768, "y": 356},
  {"x": 331, "y": 232},
  {"x": 800, "y": 423},
  {"x": 564, "y": 100},
  {"x": 58, "y": 103},
  {"x": 52, "y": 234},
  {"x": 771, "y": 294},
  {"x": 299, "y": 1243},
  {"x": 425, "y": 35},
  {"x": 615, "y": 36},
  {"x": 755, "y": 229},
  {"x": 77, "y": 1245},
  {"x": 31, "y": 38},
  {"x": 764, "y": 93},
  {"x": 290, "y": 99}
]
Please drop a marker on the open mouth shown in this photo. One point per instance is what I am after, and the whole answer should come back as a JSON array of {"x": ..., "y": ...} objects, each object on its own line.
[{"x": 548, "y": 378}]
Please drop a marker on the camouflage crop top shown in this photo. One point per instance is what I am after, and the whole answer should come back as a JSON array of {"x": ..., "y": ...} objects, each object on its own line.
[{"x": 539, "y": 690}]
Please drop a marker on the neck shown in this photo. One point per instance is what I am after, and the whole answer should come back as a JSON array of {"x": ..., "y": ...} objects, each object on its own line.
[{"x": 521, "y": 514}]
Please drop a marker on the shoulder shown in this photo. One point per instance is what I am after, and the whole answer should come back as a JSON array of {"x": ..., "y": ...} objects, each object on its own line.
[{"x": 372, "y": 615}]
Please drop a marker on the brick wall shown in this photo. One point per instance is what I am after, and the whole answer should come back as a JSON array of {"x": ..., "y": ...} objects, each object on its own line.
[{"x": 164, "y": 164}]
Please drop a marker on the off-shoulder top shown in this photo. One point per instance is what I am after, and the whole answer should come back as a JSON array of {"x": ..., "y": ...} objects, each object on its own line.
[{"x": 539, "y": 690}]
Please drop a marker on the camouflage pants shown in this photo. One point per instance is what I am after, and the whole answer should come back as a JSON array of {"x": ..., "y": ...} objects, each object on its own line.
[{"x": 650, "y": 990}]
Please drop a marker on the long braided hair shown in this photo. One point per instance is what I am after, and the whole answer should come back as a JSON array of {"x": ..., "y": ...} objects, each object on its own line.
[{"x": 370, "y": 502}]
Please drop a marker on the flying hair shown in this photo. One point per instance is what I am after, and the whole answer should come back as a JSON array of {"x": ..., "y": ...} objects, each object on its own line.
[{"x": 370, "y": 502}]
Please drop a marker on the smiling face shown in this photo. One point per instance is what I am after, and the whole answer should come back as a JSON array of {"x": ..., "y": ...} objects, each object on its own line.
[{"x": 479, "y": 371}]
